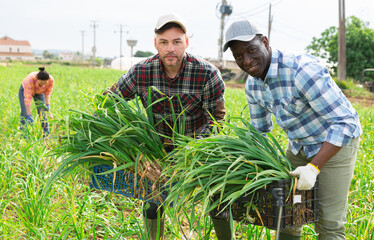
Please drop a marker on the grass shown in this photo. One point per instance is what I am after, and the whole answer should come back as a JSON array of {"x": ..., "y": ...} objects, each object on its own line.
[
  {"x": 72, "y": 210},
  {"x": 352, "y": 89}
]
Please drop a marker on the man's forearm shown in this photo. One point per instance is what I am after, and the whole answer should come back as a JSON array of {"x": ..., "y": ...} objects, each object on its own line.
[
  {"x": 113, "y": 88},
  {"x": 219, "y": 115},
  {"x": 220, "y": 111},
  {"x": 326, "y": 152}
]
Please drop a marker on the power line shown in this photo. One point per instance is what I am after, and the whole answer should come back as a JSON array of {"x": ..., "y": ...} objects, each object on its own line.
[
  {"x": 254, "y": 11},
  {"x": 292, "y": 27},
  {"x": 287, "y": 34}
]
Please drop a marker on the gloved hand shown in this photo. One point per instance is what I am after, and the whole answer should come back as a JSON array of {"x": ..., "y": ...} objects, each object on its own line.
[
  {"x": 49, "y": 110},
  {"x": 29, "y": 119},
  {"x": 308, "y": 175}
]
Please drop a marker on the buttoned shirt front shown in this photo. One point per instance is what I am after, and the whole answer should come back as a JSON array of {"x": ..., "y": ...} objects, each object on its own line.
[
  {"x": 195, "y": 92},
  {"x": 306, "y": 102}
]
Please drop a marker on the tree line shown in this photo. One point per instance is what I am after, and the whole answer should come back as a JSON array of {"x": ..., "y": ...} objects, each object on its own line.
[{"x": 359, "y": 47}]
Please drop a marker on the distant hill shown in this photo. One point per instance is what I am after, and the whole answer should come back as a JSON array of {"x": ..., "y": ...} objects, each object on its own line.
[{"x": 38, "y": 52}]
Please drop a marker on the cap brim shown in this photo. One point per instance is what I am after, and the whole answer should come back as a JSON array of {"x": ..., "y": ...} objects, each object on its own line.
[{"x": 242, "y": 38}]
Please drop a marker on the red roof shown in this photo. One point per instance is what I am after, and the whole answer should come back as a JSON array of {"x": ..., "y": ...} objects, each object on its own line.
[
  {"x": 15, "y": 54},
  {"x": 10, "y": 41}
]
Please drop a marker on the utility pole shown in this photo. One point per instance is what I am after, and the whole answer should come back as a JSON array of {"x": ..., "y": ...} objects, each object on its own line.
[
  {"x": 342, "y": 61},
  {"x": 82, "y": 32},
  {"x": 270, "y": 22},
  {"x": 225, "y": 10},
  {"x": 94, "y": 26},
  {"x": 120, "y": 45}
]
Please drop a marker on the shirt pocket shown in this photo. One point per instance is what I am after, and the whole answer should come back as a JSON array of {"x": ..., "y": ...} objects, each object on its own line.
[
  {"x": 292, "y": 106},
  {"x": 264, "y": 104},
  {"x": 191, "y": 103}
]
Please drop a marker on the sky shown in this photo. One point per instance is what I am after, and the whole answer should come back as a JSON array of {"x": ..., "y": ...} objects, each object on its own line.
[{"x": 58, "y": 24}]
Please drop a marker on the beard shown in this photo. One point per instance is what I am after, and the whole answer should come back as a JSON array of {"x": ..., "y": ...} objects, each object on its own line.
[{"x": 171, "y": 59}]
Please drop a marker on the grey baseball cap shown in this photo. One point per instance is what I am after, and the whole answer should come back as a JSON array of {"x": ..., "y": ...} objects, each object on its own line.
[
  {"x": 240, "y": 30},
  {"x": 164, "y": 19}
]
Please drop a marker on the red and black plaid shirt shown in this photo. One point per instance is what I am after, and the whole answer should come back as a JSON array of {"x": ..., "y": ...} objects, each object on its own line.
[{"x": 198, "y": 84}]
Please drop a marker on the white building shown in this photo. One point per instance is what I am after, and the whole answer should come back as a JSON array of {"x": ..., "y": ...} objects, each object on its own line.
[
  {"x": 66, "y": 56},
  {"x": 125, "y": 63},
  {"x": 15, "y": 50}
]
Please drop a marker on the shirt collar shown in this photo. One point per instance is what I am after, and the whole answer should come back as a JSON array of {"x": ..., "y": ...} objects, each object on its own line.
[{"x": 273, "y": 68}]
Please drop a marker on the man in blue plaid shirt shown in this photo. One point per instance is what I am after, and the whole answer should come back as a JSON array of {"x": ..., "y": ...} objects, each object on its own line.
[{"x": 322, "y": 126}]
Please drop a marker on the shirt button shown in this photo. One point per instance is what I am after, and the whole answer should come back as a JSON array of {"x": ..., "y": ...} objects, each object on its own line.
[{"x": 266, "y": 84}]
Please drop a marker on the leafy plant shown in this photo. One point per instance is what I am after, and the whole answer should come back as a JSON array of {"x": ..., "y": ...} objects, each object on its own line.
[{"x": 234, "y": 163}]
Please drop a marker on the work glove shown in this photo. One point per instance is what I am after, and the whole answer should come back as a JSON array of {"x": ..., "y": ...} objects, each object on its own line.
[
  {"x": 49, "y": 111},
  {"x": 307, "y": 176},
  {"x": 29, "y": 119},
  {"x": 153, "y": 172}
]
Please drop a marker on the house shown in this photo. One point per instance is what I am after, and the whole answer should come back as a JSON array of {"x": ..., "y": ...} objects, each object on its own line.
[
  {"x": 15, "y": 49},
  {"x": 66, "y": 56}
]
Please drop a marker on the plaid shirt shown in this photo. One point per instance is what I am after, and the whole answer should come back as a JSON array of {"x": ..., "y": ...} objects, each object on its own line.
[
  {"x": 198, "y": 84},
  {"x": 31, "y": 87},
  {"x": 306, "y": 102}
]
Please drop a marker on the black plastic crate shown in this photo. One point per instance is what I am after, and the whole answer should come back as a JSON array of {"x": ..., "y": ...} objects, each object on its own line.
[
  {"x": 297, "y": 209},
  {"x": 125, "y": 184}
]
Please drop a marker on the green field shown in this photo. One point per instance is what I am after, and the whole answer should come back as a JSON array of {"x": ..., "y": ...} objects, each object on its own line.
[{"x": 72, "y": 210}]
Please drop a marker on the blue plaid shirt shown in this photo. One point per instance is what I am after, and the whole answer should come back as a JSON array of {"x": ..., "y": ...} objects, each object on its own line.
[{"x": 306, "y": 102}]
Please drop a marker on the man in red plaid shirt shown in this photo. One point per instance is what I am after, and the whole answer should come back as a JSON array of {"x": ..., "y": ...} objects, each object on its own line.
[{"x": 189, "y": 81}]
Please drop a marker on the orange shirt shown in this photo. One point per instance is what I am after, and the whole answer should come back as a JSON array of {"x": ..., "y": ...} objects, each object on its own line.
[{"x": 31, "y": 87}]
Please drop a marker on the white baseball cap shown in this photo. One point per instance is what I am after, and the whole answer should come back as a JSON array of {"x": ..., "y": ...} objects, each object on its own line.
[
  {"x": 168, "y": 18},
  {"x": 240, "y": 30}
]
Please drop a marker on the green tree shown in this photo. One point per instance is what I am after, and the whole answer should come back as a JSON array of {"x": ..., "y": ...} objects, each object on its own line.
[
  {"x": 143, "y": 54},
  {"x": 359, "y": 46},
  {"x": 107, "y": 61},
  {"x": 99, "y": 61},
  {"x": 48, "y": 55}
]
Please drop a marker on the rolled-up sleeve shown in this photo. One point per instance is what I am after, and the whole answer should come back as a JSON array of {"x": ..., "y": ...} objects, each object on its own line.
[{"x": 213, "y": 101}]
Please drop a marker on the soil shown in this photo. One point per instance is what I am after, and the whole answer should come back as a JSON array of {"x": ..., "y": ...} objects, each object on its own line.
[{"x": 362, "y": 101}]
